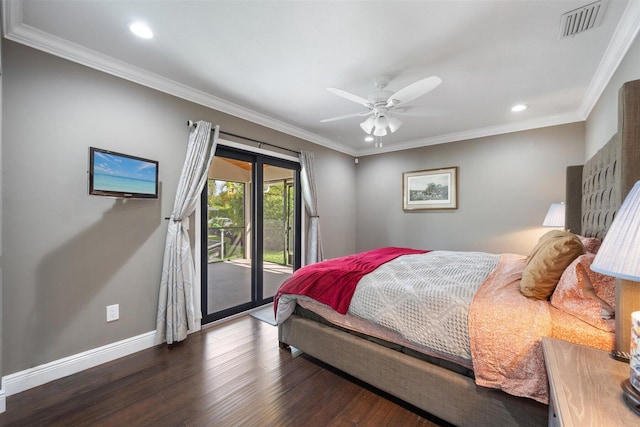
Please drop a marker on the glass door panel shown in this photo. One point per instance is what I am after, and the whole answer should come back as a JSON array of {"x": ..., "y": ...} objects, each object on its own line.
[
  {"x": 278, "y": 220},
  {"x": 228, "y": 234}
]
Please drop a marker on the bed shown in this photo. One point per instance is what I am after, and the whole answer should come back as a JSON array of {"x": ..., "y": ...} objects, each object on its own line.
[{"x": 465, "y": 389}]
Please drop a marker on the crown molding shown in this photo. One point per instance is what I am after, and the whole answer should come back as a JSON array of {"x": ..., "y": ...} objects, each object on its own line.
[
  {"x": 476, "y": 133},
  {"x": 619, "y": 44}
]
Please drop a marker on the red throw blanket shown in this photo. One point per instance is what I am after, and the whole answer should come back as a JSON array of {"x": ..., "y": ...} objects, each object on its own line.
[{"x": 334, "y": 281}]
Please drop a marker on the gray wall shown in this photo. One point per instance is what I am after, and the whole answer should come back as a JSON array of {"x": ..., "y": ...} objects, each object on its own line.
[
  {"x": 67, "y": 255},
  {"x": 506, "y": 184},
  {"x": 603, "y": 120}
]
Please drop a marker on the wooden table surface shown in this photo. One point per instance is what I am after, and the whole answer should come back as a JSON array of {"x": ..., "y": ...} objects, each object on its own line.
[{"x": 585, "y": 385}]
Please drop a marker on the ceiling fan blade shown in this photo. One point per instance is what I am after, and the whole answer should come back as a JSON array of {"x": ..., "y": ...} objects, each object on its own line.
[
  {"x": 350, "y": 96},
  {"x": 346, "y": 116},
  {"x": 413, "y": 91}
]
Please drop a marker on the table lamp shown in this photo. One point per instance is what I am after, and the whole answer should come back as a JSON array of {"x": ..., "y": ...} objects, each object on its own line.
[
  {"x": 555, "y": 216},
  {"x": 619, "y": 256}
]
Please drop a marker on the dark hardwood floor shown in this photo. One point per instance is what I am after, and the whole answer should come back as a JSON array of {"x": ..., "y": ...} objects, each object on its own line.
[{"x": 233, "y": 374}]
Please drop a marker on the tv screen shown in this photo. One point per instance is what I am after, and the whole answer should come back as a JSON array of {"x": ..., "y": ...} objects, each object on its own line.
[{"x": 121, "y": 175}]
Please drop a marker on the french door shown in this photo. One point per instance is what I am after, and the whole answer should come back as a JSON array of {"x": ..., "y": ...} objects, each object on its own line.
[{"x": 251, "y": 210}]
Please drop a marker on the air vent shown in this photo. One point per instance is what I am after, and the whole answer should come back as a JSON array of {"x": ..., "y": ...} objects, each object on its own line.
[{"x": 582, "y": 19}]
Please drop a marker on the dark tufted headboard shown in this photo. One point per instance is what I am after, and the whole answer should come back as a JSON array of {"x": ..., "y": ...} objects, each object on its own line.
[{"x": 594, "y": 195}]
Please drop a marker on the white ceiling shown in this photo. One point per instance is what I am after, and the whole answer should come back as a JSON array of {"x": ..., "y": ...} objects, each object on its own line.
[{"x": 271, "y": 61}]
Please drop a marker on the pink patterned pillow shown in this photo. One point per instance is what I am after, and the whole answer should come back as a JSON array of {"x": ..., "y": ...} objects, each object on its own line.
[
  {"x": 591, "y": 244},
  {"x": 585, "y": 294}
]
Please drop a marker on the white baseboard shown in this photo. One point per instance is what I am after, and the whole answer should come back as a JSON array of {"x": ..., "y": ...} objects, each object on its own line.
[{"x": 36, "y": 376}]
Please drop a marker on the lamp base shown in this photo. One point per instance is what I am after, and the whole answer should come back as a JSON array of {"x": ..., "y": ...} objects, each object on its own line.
[
  {"x": 627, "y": 301},
  {"x": 631, "y": 396}
]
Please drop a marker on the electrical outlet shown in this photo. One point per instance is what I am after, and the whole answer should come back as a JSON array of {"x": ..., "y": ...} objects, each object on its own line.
[{"x": 113, "y": 312}]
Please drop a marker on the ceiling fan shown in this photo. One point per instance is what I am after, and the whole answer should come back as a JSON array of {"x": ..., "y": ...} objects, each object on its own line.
[{"x": 382, "y": 103}]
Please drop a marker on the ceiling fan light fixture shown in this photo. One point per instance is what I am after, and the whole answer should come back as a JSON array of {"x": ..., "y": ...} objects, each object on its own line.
[
  {"x": 382, "y": 103},
  {"x": 378, "y": 131},
  {"x": 394, "y": 124},
  {"x": 367, "y": 125},
  {"x": 381, "y": 121}
]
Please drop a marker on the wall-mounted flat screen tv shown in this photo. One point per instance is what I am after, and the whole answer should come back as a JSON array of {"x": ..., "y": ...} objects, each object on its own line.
[{"x": 121, "y": 175}]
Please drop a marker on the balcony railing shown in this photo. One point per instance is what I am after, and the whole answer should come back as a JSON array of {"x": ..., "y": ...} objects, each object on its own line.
[{"x": 224, "y": 243}]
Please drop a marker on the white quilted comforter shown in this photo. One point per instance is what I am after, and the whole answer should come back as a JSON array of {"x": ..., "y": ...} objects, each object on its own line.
[{"x": 425, "y": 297}]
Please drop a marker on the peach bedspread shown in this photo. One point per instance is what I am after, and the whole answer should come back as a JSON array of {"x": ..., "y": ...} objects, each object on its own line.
[{"x": 506, "y": 330}]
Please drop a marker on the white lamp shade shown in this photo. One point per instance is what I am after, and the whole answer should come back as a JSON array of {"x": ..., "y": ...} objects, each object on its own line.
[
  {"x": 394, "y": 124},
  {"x": 381, "y": 121},
  {"x": 555, "y": 215},
  {"x": 367, "y": 125},
  {"x": 378, "y": 131},
  {"x": 619, "y": 255}
]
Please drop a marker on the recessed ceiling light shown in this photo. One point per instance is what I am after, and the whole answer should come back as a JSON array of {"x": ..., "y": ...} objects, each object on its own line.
[
  {"x": 368, "y": 138},
  {"x": 141, "y": 30},
  {"x": 519, "y": 107}
]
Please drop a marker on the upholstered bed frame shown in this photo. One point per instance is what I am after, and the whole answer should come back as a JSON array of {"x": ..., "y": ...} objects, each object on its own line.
[{"x": 605, "y": 180}]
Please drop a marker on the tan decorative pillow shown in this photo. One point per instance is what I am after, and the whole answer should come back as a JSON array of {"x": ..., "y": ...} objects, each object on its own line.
[
  {"x": 541, "y": 242},
  {"x": 587, "y": 295},
  {"x": 550, "y": 257}
]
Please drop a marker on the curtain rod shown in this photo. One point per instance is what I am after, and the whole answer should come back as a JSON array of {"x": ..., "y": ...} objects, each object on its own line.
[{"x": 191, "y": 123}]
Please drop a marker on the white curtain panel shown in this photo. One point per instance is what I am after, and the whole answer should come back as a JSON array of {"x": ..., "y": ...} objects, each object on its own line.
[
  {"x": 309, "y": 195},
  {"x": 177, "y": 314}
]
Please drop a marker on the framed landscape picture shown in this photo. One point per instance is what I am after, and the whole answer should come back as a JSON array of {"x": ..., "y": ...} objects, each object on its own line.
[{"x": 430, "y": 189}]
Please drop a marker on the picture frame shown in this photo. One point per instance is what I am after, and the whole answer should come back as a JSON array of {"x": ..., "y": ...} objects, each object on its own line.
[{"x": 430, "y": 189}]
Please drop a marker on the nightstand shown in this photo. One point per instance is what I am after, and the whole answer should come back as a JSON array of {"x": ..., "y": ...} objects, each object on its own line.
[{"x": 584, "y": 386}]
